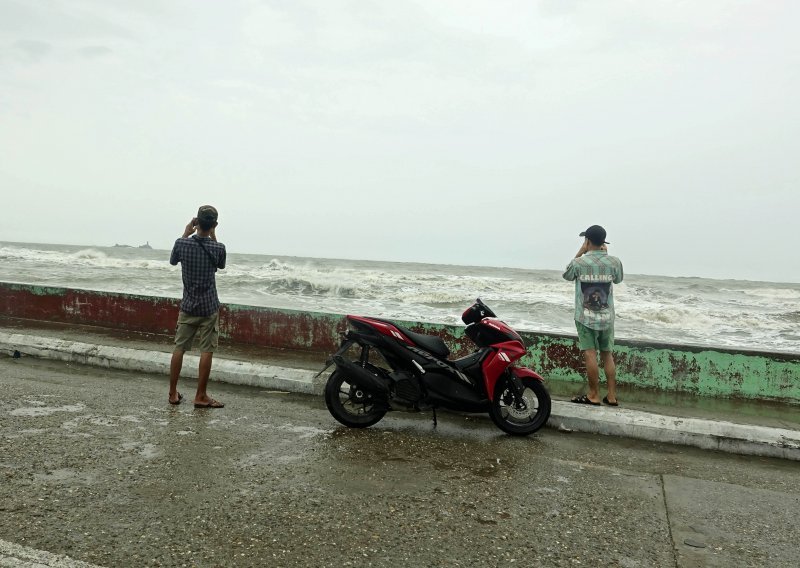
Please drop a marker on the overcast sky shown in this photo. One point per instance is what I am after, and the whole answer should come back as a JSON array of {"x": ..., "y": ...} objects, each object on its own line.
[{"x": 450, "y": 131}]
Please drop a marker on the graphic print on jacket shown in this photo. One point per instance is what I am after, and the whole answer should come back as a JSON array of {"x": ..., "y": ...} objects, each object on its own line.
[{"x": 596, "y": 289}]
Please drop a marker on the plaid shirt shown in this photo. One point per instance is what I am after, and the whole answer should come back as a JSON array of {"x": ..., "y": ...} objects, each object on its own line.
[
  {"x": 199, "y": 282},
  {"x": 594, "y": 274}
]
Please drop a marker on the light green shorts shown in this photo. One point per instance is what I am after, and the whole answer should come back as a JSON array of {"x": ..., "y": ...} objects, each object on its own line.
[
  {"x": 597, "y": 339},
  {"x": 206, "y": 328}
]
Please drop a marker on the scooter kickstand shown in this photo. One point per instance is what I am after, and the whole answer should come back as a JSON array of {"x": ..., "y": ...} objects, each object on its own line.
[{"x": 434, "y": 417}]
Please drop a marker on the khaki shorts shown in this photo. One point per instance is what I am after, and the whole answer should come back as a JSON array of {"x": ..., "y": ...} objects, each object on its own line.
[
  {"x": 597, "y": 339},
  {"x": 206, "y": 328}
]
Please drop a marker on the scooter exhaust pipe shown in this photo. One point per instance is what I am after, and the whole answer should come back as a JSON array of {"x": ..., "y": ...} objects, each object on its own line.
[{"x": 360, "y": 376}]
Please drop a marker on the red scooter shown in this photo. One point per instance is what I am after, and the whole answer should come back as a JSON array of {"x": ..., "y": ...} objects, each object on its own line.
[{"x": 414, "y": 372}]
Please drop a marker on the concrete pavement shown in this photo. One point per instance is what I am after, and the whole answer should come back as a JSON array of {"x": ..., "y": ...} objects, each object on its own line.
[
  {"x": 97, "y": 468},
  {"x": 294, "y": 372}
]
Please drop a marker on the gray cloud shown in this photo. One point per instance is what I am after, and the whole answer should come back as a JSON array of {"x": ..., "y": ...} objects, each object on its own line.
[
  {"x": 93, "y": 51},
  {"x": 487, "y": 132},
  {"x": 31, "y": 49}
]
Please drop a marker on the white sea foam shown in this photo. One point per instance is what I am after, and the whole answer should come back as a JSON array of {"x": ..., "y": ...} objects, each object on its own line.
[
  {"x": 683, "y": 310},
  {"x": 84, "y": 258},
  {"x": 764, "y": 296}
]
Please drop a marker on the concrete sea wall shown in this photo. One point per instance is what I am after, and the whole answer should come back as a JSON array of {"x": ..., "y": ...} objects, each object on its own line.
[{"x": 690, "y": 369}]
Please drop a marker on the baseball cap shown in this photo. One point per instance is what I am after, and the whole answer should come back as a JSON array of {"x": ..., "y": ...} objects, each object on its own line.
[
  {"x": 596, "y": 234},
  {"x": 207, "y": 213}
]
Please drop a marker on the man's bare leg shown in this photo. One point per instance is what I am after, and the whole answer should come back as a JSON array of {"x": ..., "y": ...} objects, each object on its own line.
[
  {"x": 607, "y": 358},
  {"x": 593, "y": 373},
  {"x": 175, "y": 366},
  {"x": 201, "y": 396}
]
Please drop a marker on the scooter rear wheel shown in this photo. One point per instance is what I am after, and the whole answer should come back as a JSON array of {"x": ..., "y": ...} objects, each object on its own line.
[
  {"x": 350, "y": 404},
  {"x": 520, "y": 417}
]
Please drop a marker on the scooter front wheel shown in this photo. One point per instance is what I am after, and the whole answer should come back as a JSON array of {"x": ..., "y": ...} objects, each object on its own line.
[
  {"x": 350, "y": 404},
  {"x": 520, "y": 416}
]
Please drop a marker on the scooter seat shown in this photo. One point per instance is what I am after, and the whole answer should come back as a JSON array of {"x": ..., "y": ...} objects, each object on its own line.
[{"x": 430, "y": 343}]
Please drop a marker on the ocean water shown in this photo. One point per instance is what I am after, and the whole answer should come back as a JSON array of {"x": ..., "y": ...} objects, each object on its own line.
[{"x": 694, "y": 311}]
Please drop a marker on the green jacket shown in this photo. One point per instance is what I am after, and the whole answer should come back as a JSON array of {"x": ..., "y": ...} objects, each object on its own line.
[{"x": 594, "y": 273}]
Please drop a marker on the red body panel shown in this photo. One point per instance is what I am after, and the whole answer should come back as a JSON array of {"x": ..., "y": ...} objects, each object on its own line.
[
  {"x": 525, "y": 373},
  {"x": 383, "y": 328},
  {"x": 498, "y": 361}
]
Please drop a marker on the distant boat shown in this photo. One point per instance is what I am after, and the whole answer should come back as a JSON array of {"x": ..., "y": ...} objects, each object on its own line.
[{"x": 144, "y": 246}]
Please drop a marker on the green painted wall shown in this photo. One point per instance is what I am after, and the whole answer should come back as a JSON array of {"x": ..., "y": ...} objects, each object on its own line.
[
  {"x": 675, "y": 368},
  {"x": 704, "y": 371}
]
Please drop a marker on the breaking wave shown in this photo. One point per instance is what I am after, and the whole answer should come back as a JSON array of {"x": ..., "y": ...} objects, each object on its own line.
[{"x": 754, "y": 315}]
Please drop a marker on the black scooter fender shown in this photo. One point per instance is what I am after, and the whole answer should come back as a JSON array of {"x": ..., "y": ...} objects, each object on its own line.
[{"x": 360, "y": 376}]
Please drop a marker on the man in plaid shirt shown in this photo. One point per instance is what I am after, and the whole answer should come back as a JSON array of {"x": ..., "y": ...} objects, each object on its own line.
[
  {"x": 595, "y": 272},
  {"x": 200, "y": 256}
]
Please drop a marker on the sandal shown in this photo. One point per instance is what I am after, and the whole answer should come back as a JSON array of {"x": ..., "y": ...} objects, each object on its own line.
[
  {"x": 210, "y": 404},
  {"x": 180, "y": 398},
  {"x": 608, "y": 402},
  {"x": 583, "y": 399}
]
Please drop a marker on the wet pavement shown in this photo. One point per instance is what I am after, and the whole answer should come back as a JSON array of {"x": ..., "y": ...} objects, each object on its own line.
[
  {"x": 749, "y": 427},
  {"x": 771, "y": 414},
  {"x": 94, "y": 464}
]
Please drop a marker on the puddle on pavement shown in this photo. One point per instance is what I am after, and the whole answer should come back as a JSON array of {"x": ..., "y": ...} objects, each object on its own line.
[
  {"x": 147, "y": 451},
  {"x": 38, "y": 411},
  {"x": 101, "y": 422},
  {"x": 269, "y": 457},
  {"x": 61, "y": 475},
  {"x": 405, "y": 450},
  {"x": 488, "y": 471},
  {"x": 26, "y": 432},
  {"x": 278, "y": 452},
  {"x": 304, "y": 431},
  {"x": 130, "y": 418}
]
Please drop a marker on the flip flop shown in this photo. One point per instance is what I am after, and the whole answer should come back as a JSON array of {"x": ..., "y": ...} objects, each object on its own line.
[
  {"x": 608, "y": 402},
  {"x": 210, "y": 404},
  {"x": 583, "y": 399},
  {"x": 180, "y": 399}
]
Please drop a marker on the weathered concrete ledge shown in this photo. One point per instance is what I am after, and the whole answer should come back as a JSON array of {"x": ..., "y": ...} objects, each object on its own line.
[
  {"x": 707, "y": 434},
  {"x": 157, "y": 362},
  {"x": 705, "y": 371},
  {"x": 19, "y": 556},
  {"x": 719, "y": 435}
]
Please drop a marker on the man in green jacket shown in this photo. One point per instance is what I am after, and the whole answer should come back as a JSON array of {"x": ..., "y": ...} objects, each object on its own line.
[{"x": 595, "y": 272}]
